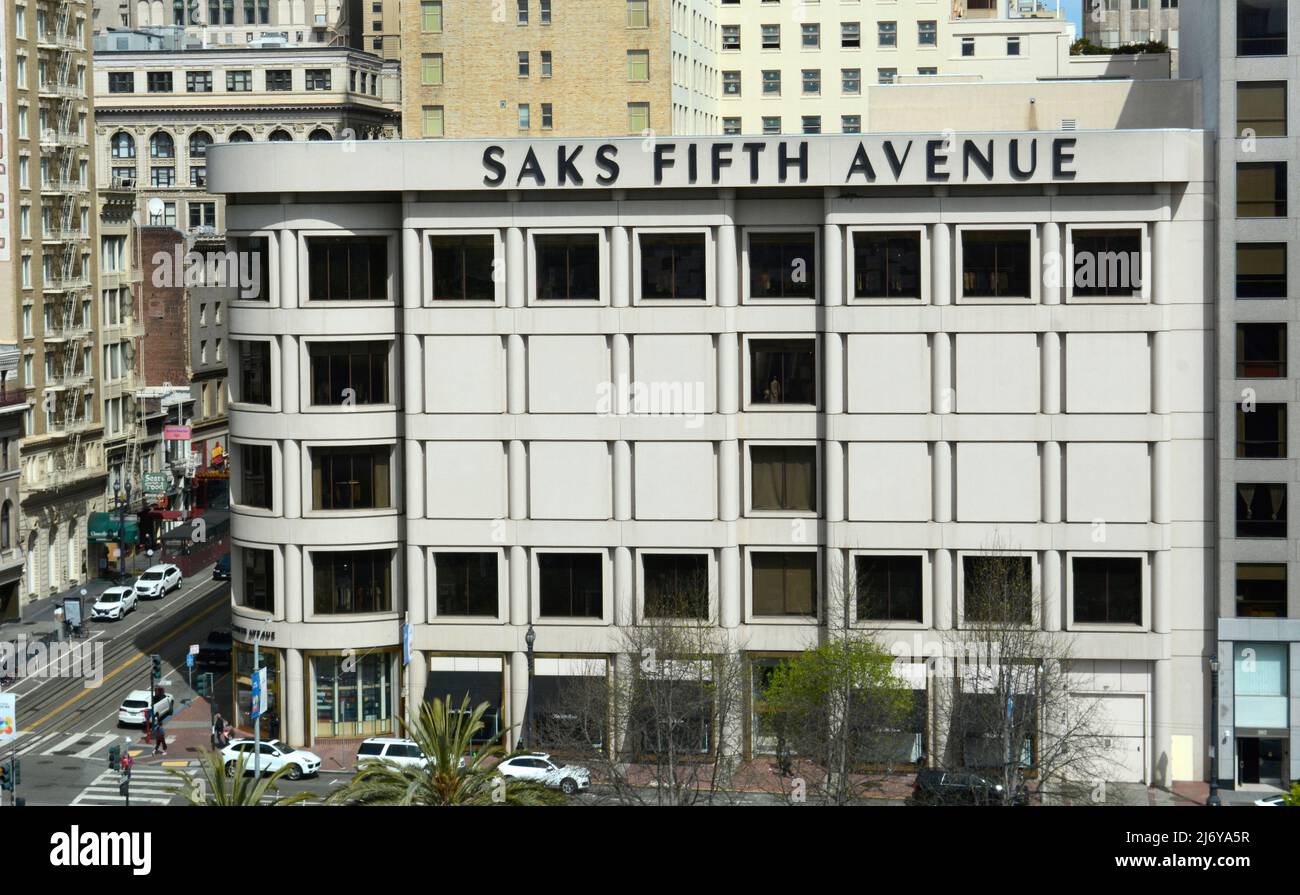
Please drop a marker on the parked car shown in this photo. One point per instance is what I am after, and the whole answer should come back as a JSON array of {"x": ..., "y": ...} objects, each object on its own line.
[
  {"x": 114, "y": 603},
  {"x": 538, "y": 767},
  {"x": 215, "y": 650},
  {"x": 158, "y": 581},
  {"x": 273, "y": 756},
  {"x": 221, "y": 571},
  {"x": 395, "y": 750},
  {"x": 1274, "y": 801},
  {"x": 935, "y": 786},
  {"x": 132, "y": 710}
]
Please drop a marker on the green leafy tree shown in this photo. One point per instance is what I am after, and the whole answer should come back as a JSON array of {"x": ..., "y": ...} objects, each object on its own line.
[
  {"x": 840, "y": 708},
  {"x": 1292, "y": 799},
  {"x": 445, "y": 735},
  {"x": 213, "y": 787}
]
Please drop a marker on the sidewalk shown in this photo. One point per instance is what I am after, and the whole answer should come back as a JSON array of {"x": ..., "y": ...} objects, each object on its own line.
[
  {"x": 38, "y": 615},
  {"x": 189, "y": 734}
]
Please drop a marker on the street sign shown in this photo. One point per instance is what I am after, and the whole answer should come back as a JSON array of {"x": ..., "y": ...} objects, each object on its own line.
[
  {"x": 177, "y": 433},
  {"x": 259, "y": 693},
  {"x": 406, "y": 645},
  {"x": 156, "y": 484},
  {"x": 8, "y": 717},
  {"x": 189, "y": 660},
  {"x": 194, "y": 649}
]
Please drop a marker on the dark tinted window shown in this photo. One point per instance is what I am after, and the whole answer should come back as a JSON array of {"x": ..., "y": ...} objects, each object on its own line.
[
  {"x": 782, "y": 265},
  {"x": 672, "y": 265},
  {"x": 347, "y": 268},
  {"x": 886, "y": 265},
  {"x": 462, "y": 267}
]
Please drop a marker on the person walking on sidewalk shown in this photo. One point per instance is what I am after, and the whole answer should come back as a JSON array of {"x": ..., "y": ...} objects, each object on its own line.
[
  {"x": 219, "y": 740},
  {"x": 159, "y": 739}
]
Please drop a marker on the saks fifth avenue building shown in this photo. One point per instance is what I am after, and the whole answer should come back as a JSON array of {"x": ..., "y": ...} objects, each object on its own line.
[{"x": 495, "y": 385}]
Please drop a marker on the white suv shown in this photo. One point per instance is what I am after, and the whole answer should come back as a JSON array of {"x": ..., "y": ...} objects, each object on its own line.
[
  {"x": 274, "y": 755},
  {"x": 158, "y": 581},
  {"x": 114, "y": 603},
  {"x": 539, "y": 768},
  {"x": 404, "y": 753}
]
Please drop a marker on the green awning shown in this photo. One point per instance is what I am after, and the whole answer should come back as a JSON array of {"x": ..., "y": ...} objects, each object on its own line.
[{"x": 107, "y": 527}]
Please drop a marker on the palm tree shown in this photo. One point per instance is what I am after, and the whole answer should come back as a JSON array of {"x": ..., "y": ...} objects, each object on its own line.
[
  {"x": 212, "y": 786},
  {"x": 445, "y": 735}
]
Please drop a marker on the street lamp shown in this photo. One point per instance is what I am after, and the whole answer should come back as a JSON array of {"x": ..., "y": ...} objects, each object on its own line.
[
  {"x": 1213, "y": 800},
  {"x": 530, "y": 638},
  {"x": 121, "y": 523}
]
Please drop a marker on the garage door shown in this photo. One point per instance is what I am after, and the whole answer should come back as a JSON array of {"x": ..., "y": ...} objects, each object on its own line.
[{"x": 1123, "y": 718}]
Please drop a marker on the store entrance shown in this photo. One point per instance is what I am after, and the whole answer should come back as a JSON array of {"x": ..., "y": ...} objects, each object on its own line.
[{"x": 1261, "y": 760}]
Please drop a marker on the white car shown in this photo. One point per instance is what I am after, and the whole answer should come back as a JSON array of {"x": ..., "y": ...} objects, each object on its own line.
[
  {"x": 1277, "y": 801},
  {"x": 133, "y": 707},
  {"x": 274, "y": 755},
  {"x": 158, "y": 581},
  {"x": 539, "y": 768},
  {"x": 114, "y": 603},
  {"x": 395, "y": 750}
]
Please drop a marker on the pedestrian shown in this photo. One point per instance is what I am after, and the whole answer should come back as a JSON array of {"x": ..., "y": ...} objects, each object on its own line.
[
  {"x": 218, "y": 732},
  {"x": 159, "y": 739}
]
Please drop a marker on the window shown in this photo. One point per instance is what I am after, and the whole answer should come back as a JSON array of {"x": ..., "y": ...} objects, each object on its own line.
[
  {"x": 1261, "y": 432},
  {"x": 347, "y": 268},
  {"x": 675, "y": 585},
  {"x": 430, "y": 15},
  {"x": 889, "y": 588},
  {"x": 771, "y": 37},
  {"x": 352, "y": 581},
  {"x": 279, "y": 79},
  {"x": 198, "y": 81},
  {"x": 927, "y": 70},
  {"x": 1013, "y": 46},
  {"x": 466, "y": 583},
  {"x": 1261, "y": 189},
  {"x": 968, "y": 46},
  {"x": 1107, "y": 590},
  {"x": 1107, "y": 263},
  {"x": 522, "y": 17},
  {"x": 432, "y": 121},
  {"x": 927, "y": 34},
  {"x": 731, "y": 126},
  {"x": 810, "y": 35},
  {"x": 731, "y": 83},
  {"x": 568, "y": 266},
  {"x": 851, "y": 81},
  {"x": 638, "y": 118},
  {"x": 886, "y": 75},
  {"x": 462, "y": 267},
  {"x": 239, "y": 81},
  {"x": 812, "y": 81},
  {"x": 523, "y": 63},
  {"x": 548, "y": 116},
  {"x": 525, "y": 116},
  {"x": 851, "y": 124},
  {"x": 349, "y": 373},
  {"x": 256, "y": 462},
  {"x": 239, "y": 136},
  {"x": 256, "y": 251},
  {"x": 886, "y": 264},
  {"x": 784, "y": 584},
  {"x": 259, "y": 580},
  {"x": 570, "y": 585},
  {"x": 731, "y": 37},
  {"x": 998, "y": 589},
  {"x": 1261, "y": 270},
  {"x": 638, "y": 13},
  {"x": 672, "y": 265},
  {"x": 318, "y": 78},
  {"x": 122, "y": 146},
  {"x": 162, "y": 146},
  {"x": 783, "y": 478},
  {"x": 638, "y": 65},
  {"x": 162, "y": 177},
  {"x": 544, "y": 12},
  {"x": 1261, "y": 590},
  {"x": 1261, "y": 350},
  {"x": 887, "y": 34},
  {"x": 121, "y": 82},
  {"x": 812, "y": 124},
  {"x": 771, "y": 124},
  {"x": 995, "y": 263},
  {"x": 1261, "y": 510},
  {"x": 199, "y": 143},
  {"x": 782, "y": 265},
  {"x": 1261, "y": 27},
  {"x": 202, "y": 214},
  {"x": 851, "y": 35},
  {"x": 1261, "y": 108},
  {"x": 254, "y": 372},
  {"x": 772, "y": 82},
  {"x": 783, "y": 371},
  {"x": 351, "y": 478},
  {"x": 546, "y": 65}
]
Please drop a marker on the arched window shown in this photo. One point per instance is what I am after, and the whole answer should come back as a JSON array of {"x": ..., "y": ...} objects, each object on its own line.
[
  {"x": 280, "y": 135},
  {"x": 320, "y": 135},
  {"x": 6, "y": 525},
  {"x": 199, "y": 143},
  {"x": 123, "y": 145},
  {"x": 240, "y": 136},
  {"x": 161, "y": 145}
]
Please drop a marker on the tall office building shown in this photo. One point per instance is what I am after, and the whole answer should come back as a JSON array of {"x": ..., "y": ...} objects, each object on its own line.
[
  {"x": 551, "y": 67},
  {"x": 240, "y": 22},
  {"x": 49, "y": 263},
  {"x": 1246, "y": 53}
]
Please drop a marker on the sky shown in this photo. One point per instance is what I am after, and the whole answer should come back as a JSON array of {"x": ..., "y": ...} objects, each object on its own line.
[{"x": 1074, "y": 10}]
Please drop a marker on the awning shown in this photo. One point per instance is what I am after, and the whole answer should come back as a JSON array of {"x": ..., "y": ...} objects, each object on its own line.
[{"x": 108, "y": 527}]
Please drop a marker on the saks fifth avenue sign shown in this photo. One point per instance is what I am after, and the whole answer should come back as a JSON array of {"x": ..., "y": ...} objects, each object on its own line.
[{"x": 889, "y": 160}]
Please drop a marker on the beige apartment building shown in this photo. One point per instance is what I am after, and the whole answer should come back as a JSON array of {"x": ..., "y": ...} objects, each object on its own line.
[
  {"x": 49, "y": 265},
  {"x": 238, "y": 22},
  {"x": 516, "y": 68}
]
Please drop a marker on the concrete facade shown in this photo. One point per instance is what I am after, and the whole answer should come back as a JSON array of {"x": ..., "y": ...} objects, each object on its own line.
[{"x": 935, "y": 425}]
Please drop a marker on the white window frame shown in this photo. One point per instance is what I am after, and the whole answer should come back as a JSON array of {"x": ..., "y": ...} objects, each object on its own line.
[
  {"x": 503, "y": 586},
  {"x": 710, "y": 568},
  {"x": 236, "y": 461},
  {"x": 1148, "y": 265},
  {"x": 748, "y": 479},
  {"x": 607, "y": 596},
  {"x": 396, "y": 478},
  {"x": 305, "y": 404},
  {"x": 819, "y": 274},
  {"x": 1035, "y": 265},
  {"x": 498, "y": 267},
  {"x": 602, "y": 237},
  {"x": 237, "y": 581},
  {"x": 1036, "y": 578},
  {"x": 746, "y": 372},
  {"x": 747, "y": 573},
  {"x": 394, "y": 268},
  {"x": 1072, "y": 625},
  {"x": 397, "y": 585},
  {"x": 927, "y": 591},
  {"x": 237, "y": 402},
  {"x": 850, "y": 260},
  {"x": 710, "y": 268}
]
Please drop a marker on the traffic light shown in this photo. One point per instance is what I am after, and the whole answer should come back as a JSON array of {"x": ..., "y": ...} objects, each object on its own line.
[
  {"x": 114, "y": 758},
  {"x": 9, "y": 775},
  {"x": 157, "y": 666},
  {"x": 203, "y": 684}
]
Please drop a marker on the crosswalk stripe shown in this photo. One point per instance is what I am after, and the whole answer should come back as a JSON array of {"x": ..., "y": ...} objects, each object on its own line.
[
  {"x": 102, "y": 743},
  {"x": 64, "y": 744},
  {"x": 37, "y": 743}
]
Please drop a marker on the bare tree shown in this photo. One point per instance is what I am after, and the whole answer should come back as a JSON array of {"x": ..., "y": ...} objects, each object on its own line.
[{"x": 1006, "y": 705}]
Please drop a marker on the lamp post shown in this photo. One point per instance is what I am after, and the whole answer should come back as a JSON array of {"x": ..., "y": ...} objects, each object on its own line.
[
  {"x": 530, "y": 638},
  {"x": 121, "y": 524},
  {"x": 1213, "y": 800}
]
